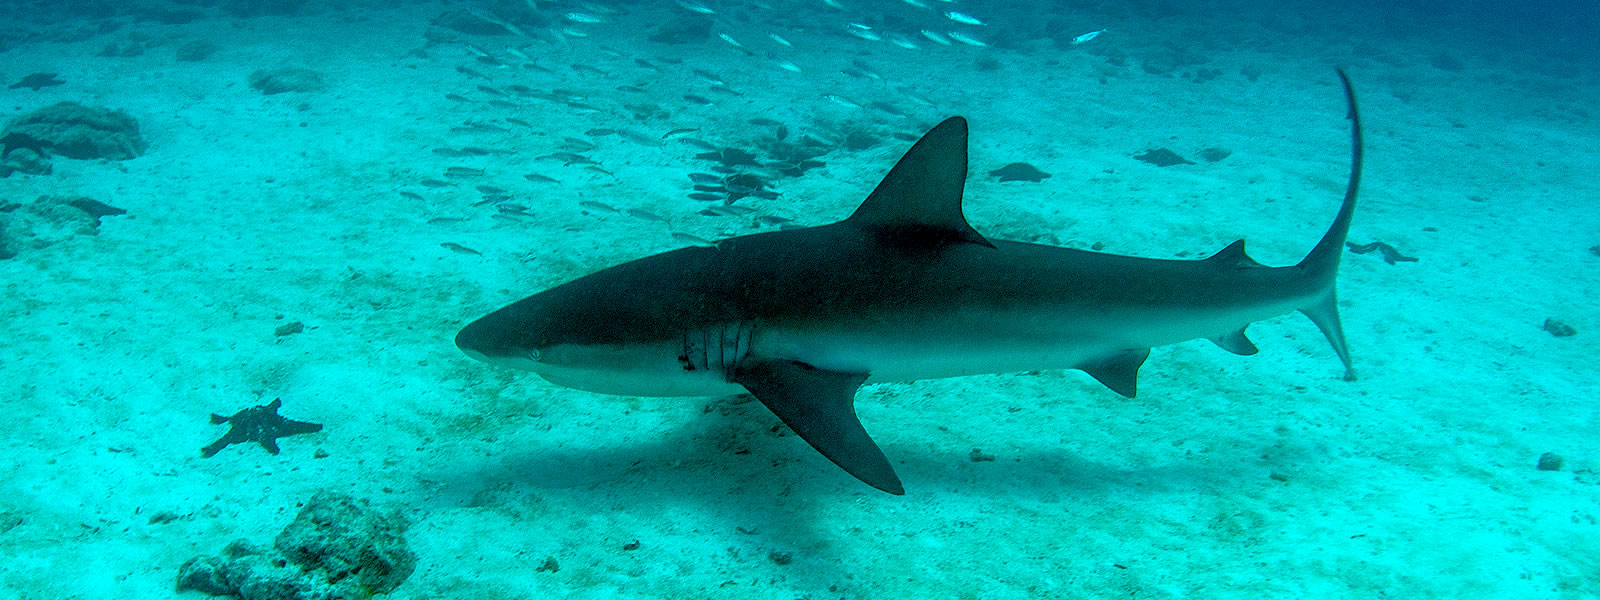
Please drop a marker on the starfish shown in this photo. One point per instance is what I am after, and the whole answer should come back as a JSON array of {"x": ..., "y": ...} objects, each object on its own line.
[
  {"x": 261, "y": 424},
  {"x": 1162, "y": 157},
  {"x": 37, "y": 80},
  {"x": 1019, "y": 172}
]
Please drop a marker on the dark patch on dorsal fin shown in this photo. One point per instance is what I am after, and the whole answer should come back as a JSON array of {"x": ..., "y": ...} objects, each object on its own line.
[
  {"x": 1120, "y": 371},
  {"x": 1236, "y": 343},
  {"x": 920, "y": 199},
  {"x": 1233, "y": 256}
]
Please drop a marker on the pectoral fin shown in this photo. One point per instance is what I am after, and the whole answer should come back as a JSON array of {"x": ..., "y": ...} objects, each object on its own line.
[
  {"x": 1120, "y": 371},
  {"x": 820, "y": 406}
]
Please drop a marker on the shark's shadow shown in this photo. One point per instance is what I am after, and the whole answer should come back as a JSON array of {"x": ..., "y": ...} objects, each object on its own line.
[{"x": 762, "y": 489}]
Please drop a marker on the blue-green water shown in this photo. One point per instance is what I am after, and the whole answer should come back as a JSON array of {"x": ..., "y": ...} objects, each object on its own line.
[{"x": 316, "y": 196}]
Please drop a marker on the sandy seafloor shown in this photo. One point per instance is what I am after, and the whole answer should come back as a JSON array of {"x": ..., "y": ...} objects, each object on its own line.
[{"x": 1247, "y": 477}]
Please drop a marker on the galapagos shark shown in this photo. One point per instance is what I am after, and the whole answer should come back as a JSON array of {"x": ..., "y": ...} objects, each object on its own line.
[{"x": 904, "y": 289}]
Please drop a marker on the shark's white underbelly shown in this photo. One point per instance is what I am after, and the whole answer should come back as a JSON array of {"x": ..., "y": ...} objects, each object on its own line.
[{"x": 934, "y": 347}]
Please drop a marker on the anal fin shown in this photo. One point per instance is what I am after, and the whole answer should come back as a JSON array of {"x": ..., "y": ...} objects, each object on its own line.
[
  {"x": 820, "y": 407},
  {"x": 1236, "y": 343}
]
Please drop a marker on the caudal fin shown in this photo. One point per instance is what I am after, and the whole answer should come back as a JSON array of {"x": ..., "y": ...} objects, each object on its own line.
[{"x": 1322, "y": 263}]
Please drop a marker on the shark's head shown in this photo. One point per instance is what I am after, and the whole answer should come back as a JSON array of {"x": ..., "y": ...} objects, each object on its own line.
[
  {"x": 578, "y": 335},
  {"x": 502, "y": 338}
]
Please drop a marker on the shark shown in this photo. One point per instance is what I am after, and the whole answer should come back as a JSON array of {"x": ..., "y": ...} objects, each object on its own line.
[{"x": 904, "y": 289}]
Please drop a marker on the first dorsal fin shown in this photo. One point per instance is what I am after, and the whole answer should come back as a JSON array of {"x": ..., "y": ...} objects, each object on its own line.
[{"x": 920, "y": 198}]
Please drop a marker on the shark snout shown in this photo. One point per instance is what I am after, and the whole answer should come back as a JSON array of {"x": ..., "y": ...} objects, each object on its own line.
[
  {"x": 470, "y": 339},
  {"x": 483, "y": 339},
  {"x": 496, "y": 340}
]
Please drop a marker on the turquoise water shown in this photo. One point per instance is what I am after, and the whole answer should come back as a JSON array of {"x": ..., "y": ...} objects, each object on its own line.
[{"x": 306, "y": 201}]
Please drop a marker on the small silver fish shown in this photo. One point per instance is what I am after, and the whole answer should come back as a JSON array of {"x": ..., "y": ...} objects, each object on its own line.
[
  {"x": 577, "y": 145},
  {"x": 600, "y": 206},
  {"x": 890, "y": 108},
  {"x": 581, "y": 17},
  {"x": 515, "y": 212},
  {"x": 513, "y": 216},
  {"x": 693, "y": 240},
  {"x": 963, "y": 18},
  {"x": 772, "y": 220},
  {"x": 679, "y": 132},
  {"x": 968, "y": 40},
  {"x": 646, "y": 215},
  {"x": 475, "y": 126},
  {"x": 841, "y": 101},
  {"x": 864, "y": 34},
  {"x": 692, "y": 6},
  {"x": 903, "y": 42},
  {"x": 458, "y": 248},
  {"x": 1086, "y": 37},
  {"x": 698, "y": 143},
  {"x": 713, "y": 78},
  {"x": 569, "y": 158},
  {"x": 866, "y": 69},
  {"x": 638, "y": 138}
]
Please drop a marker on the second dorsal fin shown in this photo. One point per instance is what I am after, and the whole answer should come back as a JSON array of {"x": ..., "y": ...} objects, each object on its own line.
[{"x": 1233, "y": 256}]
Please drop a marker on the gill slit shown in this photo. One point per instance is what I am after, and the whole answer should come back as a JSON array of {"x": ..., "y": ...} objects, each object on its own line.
[{"x": 722, "y": 347}]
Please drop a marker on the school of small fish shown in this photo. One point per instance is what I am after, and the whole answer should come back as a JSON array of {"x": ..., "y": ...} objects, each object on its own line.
[{"x": 522, "y": 163}]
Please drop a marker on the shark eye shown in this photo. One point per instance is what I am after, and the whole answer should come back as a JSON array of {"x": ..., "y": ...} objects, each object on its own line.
[{"x": 533, "y": 354}]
